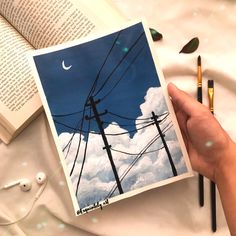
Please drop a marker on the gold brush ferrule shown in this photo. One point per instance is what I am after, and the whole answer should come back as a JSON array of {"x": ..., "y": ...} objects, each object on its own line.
[
  {"x": 199, "y": 76},
  {"x": 211, "y": 98}
]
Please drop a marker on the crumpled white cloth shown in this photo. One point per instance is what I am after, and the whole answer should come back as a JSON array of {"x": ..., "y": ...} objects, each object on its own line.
[{"x": 168, "y": 210}]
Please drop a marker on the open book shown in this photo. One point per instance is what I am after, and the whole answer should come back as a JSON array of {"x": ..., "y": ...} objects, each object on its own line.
[
  {"x": 110, "y": 115},
  {"x": 27, "y": 25}
]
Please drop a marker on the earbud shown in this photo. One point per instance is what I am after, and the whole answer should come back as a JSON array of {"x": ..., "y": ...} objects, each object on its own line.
[
  {"x": 11, "y": 184},
  {"x": 25, "y": 184},
  {"x": 41, "y": 178}
]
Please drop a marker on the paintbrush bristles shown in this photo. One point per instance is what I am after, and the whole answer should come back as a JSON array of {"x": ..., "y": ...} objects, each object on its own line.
[
  {"x": 199, "y": 72},
  {"x": 210, "y": 83},
  {"x": 199, "y": 61},
  {"x": 211, "y": 95}
]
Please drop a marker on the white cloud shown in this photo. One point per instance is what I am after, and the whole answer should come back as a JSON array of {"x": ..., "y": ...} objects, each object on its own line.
[{"x": 97, "y": 176}]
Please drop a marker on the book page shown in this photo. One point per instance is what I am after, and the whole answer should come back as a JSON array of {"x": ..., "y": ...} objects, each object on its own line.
[
  {"x": 5, "y": 136},
  {"x": 45, "y": 23},
  {"x": 17, "y": 83}
]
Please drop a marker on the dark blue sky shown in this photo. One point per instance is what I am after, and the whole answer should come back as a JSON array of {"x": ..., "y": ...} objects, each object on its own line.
[{"x": 128, "y": 71}]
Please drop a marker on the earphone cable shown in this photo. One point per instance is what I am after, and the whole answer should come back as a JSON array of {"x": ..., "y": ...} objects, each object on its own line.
[{"x": 37, "y": 196}]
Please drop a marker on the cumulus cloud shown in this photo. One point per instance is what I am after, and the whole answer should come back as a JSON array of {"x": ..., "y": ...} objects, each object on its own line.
[{"x": 97, "y": 176}]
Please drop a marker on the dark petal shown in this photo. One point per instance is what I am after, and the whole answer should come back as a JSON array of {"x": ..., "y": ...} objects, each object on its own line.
[
  {"x": 191, "y": 46},
  {"x": 155, "y": 34}
]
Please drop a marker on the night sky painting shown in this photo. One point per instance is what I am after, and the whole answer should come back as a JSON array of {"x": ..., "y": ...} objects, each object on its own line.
[{"x": 105, "y": 100}]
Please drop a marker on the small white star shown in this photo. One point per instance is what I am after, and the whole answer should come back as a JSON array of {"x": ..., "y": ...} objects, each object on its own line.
[
  {"x": 61, "y": 183},
  {"x": 61, "y": 226},
  {"x": 222, "y": 7},
  {"x": 94, "y": 220},
  {"x": 206, "y": 40},
  {"x": 22, "y": 209},
  {"x": 44, "y": 224},
  {"x": 24, "y": 163},
  {"x": 209, "y": 144},
  {"x": 39, "y": 226}
]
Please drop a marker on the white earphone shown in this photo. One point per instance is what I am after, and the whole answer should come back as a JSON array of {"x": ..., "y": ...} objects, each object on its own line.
[
  {"x": 25, "y": 185},
  {"x": 41, "y": 178}
]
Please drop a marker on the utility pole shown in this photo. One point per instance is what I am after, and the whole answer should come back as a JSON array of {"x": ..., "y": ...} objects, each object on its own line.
[
  {"x": 154, "y": 117},
  {"x": 107, "y": 146}
]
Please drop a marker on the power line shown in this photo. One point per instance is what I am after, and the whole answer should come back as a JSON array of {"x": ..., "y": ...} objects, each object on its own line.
[
  {"x": 132, "y": 164},
  {"x": 139, "y": 155},
  {"x": 134, "y": 154},
  {"x": 67, "y": 126},
  {"x": 167, "y": 127},
  {"x": 131, "y": 131},
  {"x": 126, "y": 125},
  {"x": 99, "y": 72},
  {"x": 154, "y": 117},
  {"x": 90, "y": 92},
  {"x": 122, "y": 59},
  {"x": 77, "y": 127},
  {"x": 70, "y": 127},
  {"x": 163, "y": 114},
  {"x": 109, "y": 134},
  {"x": 122, "y": 76},
  {"x": 95, "y": 82},
  {"x": 77, "y": 150},
  {"x": 164, "y": 119},
  {"x": 97, "y": 133},
  {"x": 83, "y": 161},
  {"x": 93, "y": 132},
  {"x": 68, "y": 114},
  {"x": 70, "y": 141},
  {"x": 127, "y": 118}
]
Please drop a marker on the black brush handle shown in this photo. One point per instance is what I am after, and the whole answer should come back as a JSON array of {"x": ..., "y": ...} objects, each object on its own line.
[
  {"x": 200, "y": 177},
  {"x": 213, "y": 206},
  {"x": 201, "y": 190},
  {"x": 213, "y": 203},
  {"x": 199, "y": 94}
]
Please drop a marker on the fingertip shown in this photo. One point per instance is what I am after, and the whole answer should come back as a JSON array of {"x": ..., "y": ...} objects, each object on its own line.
[
  {"x": 183, "y": 100},
  {"x": 171, "y": 88},
  {"x": 170, "y": 85}
]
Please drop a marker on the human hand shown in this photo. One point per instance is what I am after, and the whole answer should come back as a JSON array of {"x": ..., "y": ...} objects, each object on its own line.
[{"x": 208, "y": 145}]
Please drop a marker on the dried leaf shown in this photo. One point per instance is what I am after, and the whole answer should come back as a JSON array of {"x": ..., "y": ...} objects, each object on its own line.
[
  {"x": 155, "y": 34},
  {"x": 191, "y": 46}
]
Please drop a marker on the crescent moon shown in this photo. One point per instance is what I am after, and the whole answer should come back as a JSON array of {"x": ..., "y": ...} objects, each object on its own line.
[{"x": 65, "y": 67}]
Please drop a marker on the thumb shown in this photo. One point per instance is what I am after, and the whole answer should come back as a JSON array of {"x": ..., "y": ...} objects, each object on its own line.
[{"x": 185, "y": 102}]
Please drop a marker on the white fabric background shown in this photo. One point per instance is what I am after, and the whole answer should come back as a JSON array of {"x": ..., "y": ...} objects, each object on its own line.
[{"x": 169, "y": 210}]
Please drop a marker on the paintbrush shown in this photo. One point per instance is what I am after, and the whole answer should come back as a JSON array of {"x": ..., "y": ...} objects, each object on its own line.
[
  {"x": 199, "y": 98},
  {"x": 212, "y": 184}
]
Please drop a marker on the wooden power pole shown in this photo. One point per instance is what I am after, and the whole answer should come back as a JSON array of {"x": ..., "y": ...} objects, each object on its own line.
[
  {"x": 107, "y": 146},
  {"x": 154, "y": 117}
]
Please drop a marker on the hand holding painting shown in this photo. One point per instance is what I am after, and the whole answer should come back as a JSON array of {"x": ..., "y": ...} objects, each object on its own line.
[{"x": 212, "y": 152}]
